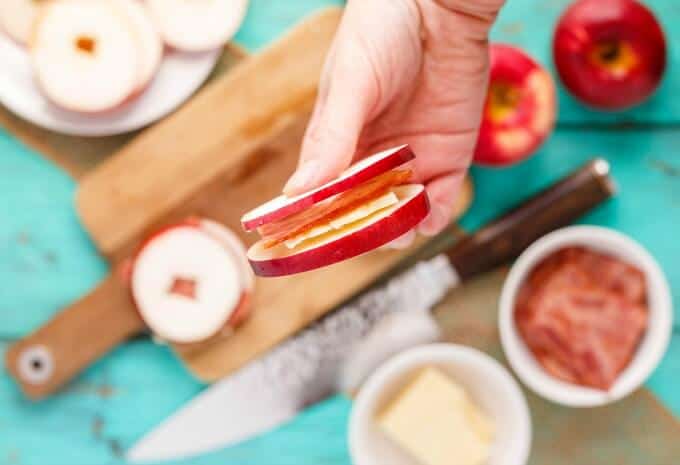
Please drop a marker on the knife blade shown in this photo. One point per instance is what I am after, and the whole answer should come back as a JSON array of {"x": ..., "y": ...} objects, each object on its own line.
[
  {"x": 232, "y": 410},
  {"x": 300, "y": 371},
  {"x": 342, "y": 348}
]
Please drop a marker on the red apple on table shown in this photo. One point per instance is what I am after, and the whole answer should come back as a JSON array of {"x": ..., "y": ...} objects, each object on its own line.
[
  {"x": 610, "y": 54},
  {"x": 520, "y": 108}
]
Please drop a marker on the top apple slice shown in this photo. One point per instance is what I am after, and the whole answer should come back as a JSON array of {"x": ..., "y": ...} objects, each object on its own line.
[{"x": 360, "y": 172}]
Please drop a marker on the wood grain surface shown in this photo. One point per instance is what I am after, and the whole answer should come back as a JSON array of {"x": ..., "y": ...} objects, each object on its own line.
[
  {"x": 76, "y": 337},
  {"x": 195, "y": 164}
]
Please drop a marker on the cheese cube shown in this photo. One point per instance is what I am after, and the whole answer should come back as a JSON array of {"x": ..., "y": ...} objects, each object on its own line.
[{"x": 434, "y": 420}]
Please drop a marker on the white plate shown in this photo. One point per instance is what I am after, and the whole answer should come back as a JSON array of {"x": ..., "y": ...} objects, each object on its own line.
[
  {"x": 178, "y": 77},
  {"x": 488, "y": 383}
]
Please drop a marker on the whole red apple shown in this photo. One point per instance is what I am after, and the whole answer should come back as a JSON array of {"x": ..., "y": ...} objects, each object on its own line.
[
  {"x": 610, "y": 54},
  {"x": 520, "y": 108}
]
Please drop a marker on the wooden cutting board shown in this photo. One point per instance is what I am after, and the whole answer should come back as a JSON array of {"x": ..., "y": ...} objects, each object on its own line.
[{"x": 227, "y": 150}]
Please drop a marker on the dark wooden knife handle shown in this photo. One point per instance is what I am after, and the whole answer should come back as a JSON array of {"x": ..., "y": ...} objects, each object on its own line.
[
  {"x": 558, "y": 205},
  {"x": 45, "y": 360}
]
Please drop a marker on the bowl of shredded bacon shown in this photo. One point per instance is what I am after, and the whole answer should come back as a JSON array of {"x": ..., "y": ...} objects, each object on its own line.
[{"x": 585, "y": 316}]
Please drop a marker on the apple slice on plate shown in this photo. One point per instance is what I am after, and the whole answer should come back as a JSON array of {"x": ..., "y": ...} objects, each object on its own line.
[
  {"x": 369, "y": 205},
  {"x": 150, "y": 44},
  {"x": 17, "y": 18},
  {"x": 195, "y": 26},
  {"x": 85, "y": 55},
  {"x": 175, "y": 79},
  {"x": 191, "y": 281}
]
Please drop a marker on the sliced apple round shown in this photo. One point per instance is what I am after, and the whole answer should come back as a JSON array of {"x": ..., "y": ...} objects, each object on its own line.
[
  {"x": 85, "y": 55},
  {"x": 195, "y": 26},
  {"x": 366, "y": 169},
  {"x": 190, "y": 281},
  {"x": 235, "y": 247},
  {"x": 354, "y": 239},
  {"x": 150, "y": 43},
  {"x": 17, "y": 18},
  {"x": 247, "y": 279}
]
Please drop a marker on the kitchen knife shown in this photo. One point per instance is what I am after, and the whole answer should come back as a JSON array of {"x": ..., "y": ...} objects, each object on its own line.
[{"x": 343, "y": 347}]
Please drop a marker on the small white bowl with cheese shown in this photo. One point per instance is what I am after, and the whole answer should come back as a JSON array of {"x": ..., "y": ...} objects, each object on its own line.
[{"x": 440, "y": 404}]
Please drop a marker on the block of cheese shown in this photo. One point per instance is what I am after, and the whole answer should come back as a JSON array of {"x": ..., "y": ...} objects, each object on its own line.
[{"x": 434, "y": 420}]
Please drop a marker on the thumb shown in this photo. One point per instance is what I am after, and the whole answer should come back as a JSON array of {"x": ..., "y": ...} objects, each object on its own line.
[{"x": 331, "y": 138}]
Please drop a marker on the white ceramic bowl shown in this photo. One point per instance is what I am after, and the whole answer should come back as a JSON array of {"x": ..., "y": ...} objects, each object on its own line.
[
  {"x": 489, "y": 385},
  {"x": 651, "y": 348}
]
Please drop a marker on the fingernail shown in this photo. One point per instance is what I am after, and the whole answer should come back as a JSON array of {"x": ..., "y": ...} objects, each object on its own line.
[{"x": 302, "y": 178}]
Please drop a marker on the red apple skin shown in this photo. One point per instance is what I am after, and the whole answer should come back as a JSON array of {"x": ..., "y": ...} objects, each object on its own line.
[
  {"x": 243, "y": 308},
  {"x": 342, "y": 184},
  {"x": 364, "y": 240},
  {"x": 513, "y": 130},
  {"x": 242, "y": 311},
  {"x": 627, "y": 82}
]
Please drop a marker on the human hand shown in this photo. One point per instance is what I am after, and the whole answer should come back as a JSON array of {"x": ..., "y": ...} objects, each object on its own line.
[{"x": 402, "y": 71}]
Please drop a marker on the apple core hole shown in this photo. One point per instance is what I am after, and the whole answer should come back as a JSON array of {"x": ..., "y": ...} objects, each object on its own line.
[
  {"x": 617, "y": 57},
  {"x": 86, "y": 44},
  {"x": 184, "y": 287},
  {"x": 36, "y": 364},
  {"x": 609, "y": 51},
  {"x": 504, "y": 99}
]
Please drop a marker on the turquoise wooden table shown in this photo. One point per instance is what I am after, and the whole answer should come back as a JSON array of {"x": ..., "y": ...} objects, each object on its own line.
[{"x": 47, "y": 261}]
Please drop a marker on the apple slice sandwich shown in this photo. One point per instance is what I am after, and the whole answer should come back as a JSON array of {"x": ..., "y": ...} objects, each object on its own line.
[
  {"x": 370, "y": 204},
  {"x": 191, "y": 282}
]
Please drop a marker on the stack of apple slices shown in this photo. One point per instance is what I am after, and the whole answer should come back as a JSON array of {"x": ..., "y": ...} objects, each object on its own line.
[
  {"x": 191, "y": 282},
  {"x": 370, "y": 204},
  {"x": 92, "y": 56}
]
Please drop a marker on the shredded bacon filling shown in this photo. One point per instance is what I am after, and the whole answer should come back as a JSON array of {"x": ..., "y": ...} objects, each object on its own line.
[
  {"x": 582, "y": 314},
  {"x": 322, "y": 213}
]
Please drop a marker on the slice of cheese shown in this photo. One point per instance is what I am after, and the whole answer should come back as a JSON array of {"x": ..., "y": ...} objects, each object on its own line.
[
  {"x": 359, "y": 213},
  {"x": 386, "y": 200},
  {"x": 310, "y": 234},
  {"x": 434, "y": 420}
]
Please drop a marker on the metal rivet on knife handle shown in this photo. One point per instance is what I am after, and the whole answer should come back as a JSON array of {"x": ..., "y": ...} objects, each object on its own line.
[
  {"x": 555, "y": 207},
  {"x": 74, "y": 338}
]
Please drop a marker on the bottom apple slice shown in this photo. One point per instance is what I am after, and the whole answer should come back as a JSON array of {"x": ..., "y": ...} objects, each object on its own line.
[
  {"x": 192, "y": 282},
  {"x": 354, "y": 239}
]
